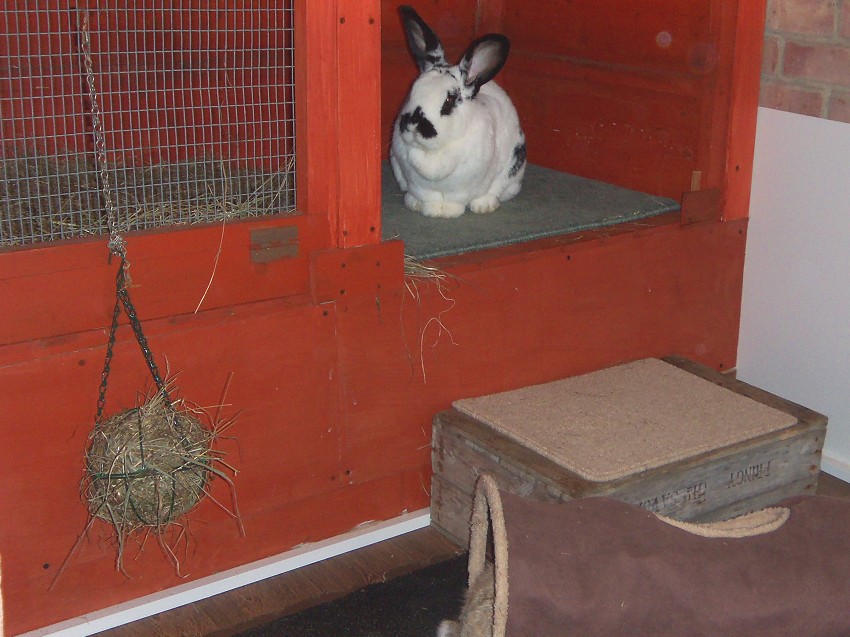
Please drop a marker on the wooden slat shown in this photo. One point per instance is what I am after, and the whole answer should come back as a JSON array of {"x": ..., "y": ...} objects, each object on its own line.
[
  {"x": 715, "y": 55},
  {"x": 612, "y": 33},
  {"x": 359, "y": 121},
  {"x": 318, "y": 136},
  {"x": 364, "y": 271},
  {"x": 744, "y": 89},
  {"x": 598, "y": 136},
  {"x": 66, "y": 288}
]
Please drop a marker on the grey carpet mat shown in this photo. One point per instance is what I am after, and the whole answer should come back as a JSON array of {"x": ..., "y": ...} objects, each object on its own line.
[{"x": 551, "y": 203}]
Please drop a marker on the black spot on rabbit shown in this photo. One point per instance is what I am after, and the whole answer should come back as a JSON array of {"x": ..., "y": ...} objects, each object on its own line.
[
  {"x": 519, "y": 158},
  {"x": 452, "y": 99},
  {"x": 417, "y": 120}
]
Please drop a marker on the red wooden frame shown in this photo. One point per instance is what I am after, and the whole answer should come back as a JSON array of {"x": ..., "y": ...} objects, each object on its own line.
[
  {"x": 338, "y": 117},
  {"x": 337, "y": 365}
]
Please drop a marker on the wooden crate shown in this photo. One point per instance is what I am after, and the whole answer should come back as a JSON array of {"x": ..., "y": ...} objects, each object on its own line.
[{"x": 769, "y": 447}]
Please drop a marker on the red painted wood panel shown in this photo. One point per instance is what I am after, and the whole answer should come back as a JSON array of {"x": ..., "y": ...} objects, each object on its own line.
[
  {"x": 398, "y": 72},
  {"x": 62, "y": 288},
  {"x": 717, "y": 58},
  {"x": 454, "y": 21},
  {"x": 358, "y": 121},
  {"x": 601, "y": 125},
  {"x": 490, "y": 17},
  {"x": 527, "y": 317},
  {"x": 339, "y": 274},
  {"x": 285, "y": 445},
  {"x": 746, "y": 72},
  {"x": 335, "y": 403},
  {"x": 647, "y": 35},
  {"x": 318, "y": 139}
]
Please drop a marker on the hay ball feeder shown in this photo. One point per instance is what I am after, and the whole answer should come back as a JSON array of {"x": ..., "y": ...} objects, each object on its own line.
[{"x": 147, "y": 466}]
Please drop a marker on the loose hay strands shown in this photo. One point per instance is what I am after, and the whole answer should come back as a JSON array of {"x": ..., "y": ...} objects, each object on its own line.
[
  {"x": 57, "y": 196},
  {"x": 416, "y": 274},
  {"x": 149, "y": 466}
]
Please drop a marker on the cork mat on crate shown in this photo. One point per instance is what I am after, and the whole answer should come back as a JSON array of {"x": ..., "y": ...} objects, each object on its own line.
[{"x": 620, "y": 421}]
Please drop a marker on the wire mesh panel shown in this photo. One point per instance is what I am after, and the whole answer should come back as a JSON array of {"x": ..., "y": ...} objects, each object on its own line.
[{"x": 196, "y": 104}]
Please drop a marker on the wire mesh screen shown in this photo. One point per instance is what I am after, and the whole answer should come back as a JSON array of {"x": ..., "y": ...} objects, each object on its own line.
[{"x": 196, "y": 103}]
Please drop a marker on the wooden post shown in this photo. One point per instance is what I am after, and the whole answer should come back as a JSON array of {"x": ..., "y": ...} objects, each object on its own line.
[
  {"x": 746, "y": 71},
  {"x": 359, "y": 122},
  {"x": 338, "y": 106}
]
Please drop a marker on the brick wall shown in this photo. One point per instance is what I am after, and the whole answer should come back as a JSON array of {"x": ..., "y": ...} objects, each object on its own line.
[{"x": 806, "y": 66}]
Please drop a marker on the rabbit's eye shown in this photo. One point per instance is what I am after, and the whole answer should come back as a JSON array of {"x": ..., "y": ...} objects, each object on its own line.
[{"x": 452, "y": 99}]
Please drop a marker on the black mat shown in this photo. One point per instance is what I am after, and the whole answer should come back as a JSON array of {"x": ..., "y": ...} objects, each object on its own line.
[
  {"x": 551, "y": 203},
  {"x": 408, "y": 606}
]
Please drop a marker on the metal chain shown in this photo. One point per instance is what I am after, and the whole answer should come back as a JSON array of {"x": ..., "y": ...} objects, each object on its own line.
[
  {"x": 117, "y": 245},
  {"x": 136, "y": 324},
  {"x": 104, "y": 376},
  {"x": 122, "y": 299}
]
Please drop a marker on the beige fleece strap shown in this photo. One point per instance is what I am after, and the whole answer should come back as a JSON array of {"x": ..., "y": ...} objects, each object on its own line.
[
  {"x": 487, "y": 513},
  {"x": 749, "y": 525}
]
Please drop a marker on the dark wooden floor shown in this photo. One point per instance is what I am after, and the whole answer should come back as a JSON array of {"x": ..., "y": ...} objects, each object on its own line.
[
  {"x": 258, "y": 603},
  {"x": 291, "y": 592}
]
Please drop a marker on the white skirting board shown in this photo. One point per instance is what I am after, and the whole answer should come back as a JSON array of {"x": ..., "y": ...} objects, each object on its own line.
[
  {"x": 837, "y": 467},
  {"x": 364, "y": 535}
]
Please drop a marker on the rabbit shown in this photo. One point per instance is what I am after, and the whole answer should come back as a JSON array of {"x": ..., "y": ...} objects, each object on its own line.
[
  {"x": 476, "y": 616},
  {"x": 457, "y": 140}
]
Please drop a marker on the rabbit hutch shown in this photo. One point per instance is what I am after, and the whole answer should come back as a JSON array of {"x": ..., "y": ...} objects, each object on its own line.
[{"x": 239, "y": 155}]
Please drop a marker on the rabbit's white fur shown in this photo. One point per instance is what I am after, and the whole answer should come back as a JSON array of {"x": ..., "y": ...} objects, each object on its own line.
[{"x": 457, "y": 140}]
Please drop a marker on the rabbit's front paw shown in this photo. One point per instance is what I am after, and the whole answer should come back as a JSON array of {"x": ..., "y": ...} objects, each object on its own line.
[
  {"x": 443, "y": 209},
  {"x": 484, "y": 204},
  {"x": 412, "y": 203}
]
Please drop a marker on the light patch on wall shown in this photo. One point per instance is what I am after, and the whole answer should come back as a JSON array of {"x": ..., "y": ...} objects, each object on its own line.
[{"x": 795, "y": 336}]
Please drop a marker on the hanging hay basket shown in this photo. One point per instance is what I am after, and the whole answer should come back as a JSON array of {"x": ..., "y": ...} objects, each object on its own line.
[{"x": 147, "y": 466}]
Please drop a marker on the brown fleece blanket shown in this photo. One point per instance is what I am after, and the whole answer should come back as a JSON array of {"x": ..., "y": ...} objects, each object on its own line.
[{"x": 600, "y": 567}]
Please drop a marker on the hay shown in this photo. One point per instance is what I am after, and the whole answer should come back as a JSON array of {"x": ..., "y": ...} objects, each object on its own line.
[
  {"x": 147, "y": 468},
  {"x": 418, "y": 274},
  {"x": 45, "y": 197}
]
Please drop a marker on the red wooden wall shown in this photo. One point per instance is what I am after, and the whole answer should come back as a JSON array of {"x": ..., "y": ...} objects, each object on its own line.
[
  {"x": 336, "y": 367},
  {"x": 640, "y": 94}
]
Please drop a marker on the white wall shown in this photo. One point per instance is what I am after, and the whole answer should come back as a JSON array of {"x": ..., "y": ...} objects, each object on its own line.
[{"x": 795, "y": 323}]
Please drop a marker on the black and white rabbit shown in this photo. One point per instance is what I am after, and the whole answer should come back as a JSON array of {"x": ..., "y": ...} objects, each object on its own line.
[{"x": 457, "y": 141}]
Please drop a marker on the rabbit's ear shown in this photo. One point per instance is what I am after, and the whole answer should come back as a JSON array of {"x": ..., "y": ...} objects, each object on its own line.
[
  {"x": 483, "y": 59},
  {"x": 424, "y": 43}
]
